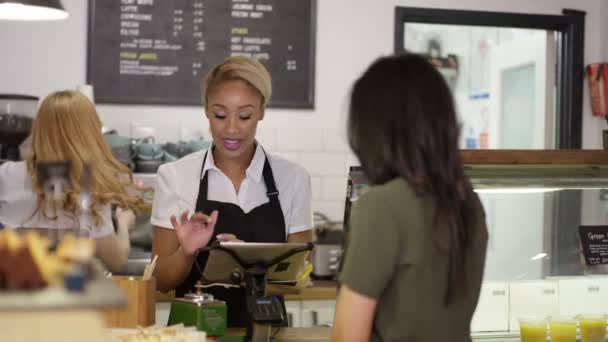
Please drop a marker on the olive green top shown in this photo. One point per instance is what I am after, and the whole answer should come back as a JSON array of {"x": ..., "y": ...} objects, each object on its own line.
[{"x": 392, "y": 256}]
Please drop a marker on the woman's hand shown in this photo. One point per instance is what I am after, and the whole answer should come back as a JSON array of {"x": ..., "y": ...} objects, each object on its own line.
[
  {"x": 125, "y": 218},
  {"x": 227, "y": 238},
  {"x": 195, "y": 232},
  {"x": 125, "y": 221}
]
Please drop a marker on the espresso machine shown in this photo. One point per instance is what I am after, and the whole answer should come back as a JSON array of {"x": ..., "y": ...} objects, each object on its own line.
[{"x": 16, "y": 116}]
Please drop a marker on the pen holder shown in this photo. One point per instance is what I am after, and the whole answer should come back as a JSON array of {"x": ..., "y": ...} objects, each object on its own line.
[{"x": 141, "y": 303}]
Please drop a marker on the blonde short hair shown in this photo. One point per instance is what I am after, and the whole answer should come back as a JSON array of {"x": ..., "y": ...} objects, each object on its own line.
[{"x": 239, "y": 68}]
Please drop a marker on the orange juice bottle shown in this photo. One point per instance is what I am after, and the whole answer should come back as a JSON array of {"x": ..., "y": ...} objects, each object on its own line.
[
  {"x": 533, "y": 329},
  {"x": 593, "y": 328}
]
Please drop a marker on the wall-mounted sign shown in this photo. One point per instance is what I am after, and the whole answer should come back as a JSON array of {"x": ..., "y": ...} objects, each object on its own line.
[{"x": 156, "y": 52}]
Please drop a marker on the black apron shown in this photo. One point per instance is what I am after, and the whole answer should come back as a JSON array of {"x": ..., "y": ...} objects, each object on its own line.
[{"x": 264, "y": 223}]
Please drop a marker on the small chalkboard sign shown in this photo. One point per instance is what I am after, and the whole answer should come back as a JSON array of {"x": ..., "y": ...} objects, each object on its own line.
[{"x": 595, "y": 244}]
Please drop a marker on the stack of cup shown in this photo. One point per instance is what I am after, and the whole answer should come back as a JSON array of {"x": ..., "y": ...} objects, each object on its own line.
[
  {"x": 533, "y": 329},
  {"x": 593, "y": 328},
  {"x": 562, "y": 329}
]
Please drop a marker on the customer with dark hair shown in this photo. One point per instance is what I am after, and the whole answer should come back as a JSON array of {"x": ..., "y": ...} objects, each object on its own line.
[{"x": 415, "y": 257}]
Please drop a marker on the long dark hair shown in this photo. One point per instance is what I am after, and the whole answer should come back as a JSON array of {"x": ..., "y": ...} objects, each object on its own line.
[{"x": 402, "y": 123}]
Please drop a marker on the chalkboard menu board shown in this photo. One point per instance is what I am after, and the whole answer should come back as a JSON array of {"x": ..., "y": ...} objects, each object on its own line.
[
  {"x": 595, "y": 244},
  {"x": 157, "y": 51}
]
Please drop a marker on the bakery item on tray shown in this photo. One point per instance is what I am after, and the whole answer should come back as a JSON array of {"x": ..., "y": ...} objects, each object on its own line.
[
  {"x": 26, "y": 262},
  {"x": 174, "y": 333},
  {"x": 75, "y": 249}
]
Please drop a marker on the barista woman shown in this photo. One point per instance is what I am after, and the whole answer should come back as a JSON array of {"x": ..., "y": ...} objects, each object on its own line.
[
  {"x": 67, "y": 128},
  {"x": 236, "y": 190}
]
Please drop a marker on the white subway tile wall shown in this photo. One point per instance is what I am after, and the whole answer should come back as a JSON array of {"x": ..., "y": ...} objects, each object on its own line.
[
  {"x": 315, "y": 183},
  {"x": 325, "y": 154},
  {"x": 291, "y": 156},
  {"x": 189, "y": 132},
  {"x": 267, "y": 136},
  {"x": 324, "y": 164},
  {"x": 333, "y": 209},
  {"x": 333, "y": 188},
  {"x": 334, "y": 140},
  {"x": 300, "y": 139},
  {"x": 352, "y": 160}
]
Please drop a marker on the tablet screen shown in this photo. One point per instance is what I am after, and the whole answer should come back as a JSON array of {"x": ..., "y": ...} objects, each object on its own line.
[{"x": 221, "y": 265}]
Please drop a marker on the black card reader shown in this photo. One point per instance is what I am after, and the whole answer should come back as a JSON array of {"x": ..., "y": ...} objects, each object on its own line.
[{"x": 268, "y": 310}]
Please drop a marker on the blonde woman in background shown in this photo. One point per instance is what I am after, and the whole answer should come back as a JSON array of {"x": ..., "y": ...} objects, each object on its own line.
[
  {"x": 67, "y": 128},
  {"x": 236, "y": 190}
]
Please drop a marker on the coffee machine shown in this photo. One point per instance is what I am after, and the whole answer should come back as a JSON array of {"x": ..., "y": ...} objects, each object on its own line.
[{"x": 16, "y": 116}]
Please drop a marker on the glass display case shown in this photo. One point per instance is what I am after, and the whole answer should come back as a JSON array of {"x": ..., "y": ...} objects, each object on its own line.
[{"x": 535, "y": 203}]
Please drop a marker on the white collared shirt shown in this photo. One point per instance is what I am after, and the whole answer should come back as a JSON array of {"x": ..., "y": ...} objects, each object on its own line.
[
  {"x": 18, "y": 204},
  {"x": 177, "y": 185}
]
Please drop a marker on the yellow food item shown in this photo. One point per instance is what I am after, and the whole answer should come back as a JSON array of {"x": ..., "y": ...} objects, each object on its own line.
[
  {"x": 533, "y": 332},
  {"x": 593, "y": 330},
  {"x": 563, "y": 332},
  {"x": 164, "y": 334},
  {"x": 74, "y": 249},
  {"x": 11, "y": 240},
  {"x": 27, "y": 263},
  {"x": 49, "y": 265}
]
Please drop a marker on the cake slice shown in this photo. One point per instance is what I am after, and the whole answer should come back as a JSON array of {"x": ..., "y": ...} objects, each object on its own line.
[
  {"x": 49, "y": 265},
  {"x": 72, "y": 249}
]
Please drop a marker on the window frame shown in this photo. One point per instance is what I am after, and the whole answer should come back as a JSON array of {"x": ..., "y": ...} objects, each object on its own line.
[{"x": 570, "y": 57}]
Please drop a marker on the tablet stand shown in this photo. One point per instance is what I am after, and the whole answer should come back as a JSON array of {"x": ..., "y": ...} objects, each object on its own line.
[{"x": 265, "y": 311}]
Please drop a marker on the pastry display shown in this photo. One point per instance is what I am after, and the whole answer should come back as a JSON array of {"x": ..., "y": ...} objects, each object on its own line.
[
  {"x": 75, "y": 249},
  {"x": 26, "y": 262}
]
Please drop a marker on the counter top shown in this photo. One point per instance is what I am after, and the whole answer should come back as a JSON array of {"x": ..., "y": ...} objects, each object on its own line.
[
  {"x": 99, "y": 293},
  {"x": 290, "y": 334},
  {"x": 321, "y": 290},
  {"x": 164, "y": 296},
  {"x": 534, "y": 157},
  {"x": 88, "y": 325},
  {"x": 282, "y": 334},
  {"x": 323, "y": 334}
]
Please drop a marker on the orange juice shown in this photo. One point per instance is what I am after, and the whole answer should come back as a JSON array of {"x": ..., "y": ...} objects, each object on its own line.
[
  {"x": 533, "y": 331},
  {"x": 563, "y": 331},
  {"x": 593, "y": 329}
]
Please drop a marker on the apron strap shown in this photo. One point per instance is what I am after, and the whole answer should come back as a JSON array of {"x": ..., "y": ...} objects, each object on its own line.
[
  {"x": 202, "y": 187},
  {"x": 271, "y": 188}
]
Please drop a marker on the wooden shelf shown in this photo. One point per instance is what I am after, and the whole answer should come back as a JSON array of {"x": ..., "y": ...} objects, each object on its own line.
[
  {"x": 322, "y": 290},
  {"x": 534, "y": 157}
]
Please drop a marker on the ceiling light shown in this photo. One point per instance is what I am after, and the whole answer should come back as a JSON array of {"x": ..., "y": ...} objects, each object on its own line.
[{"x": 32, "y": 10}]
